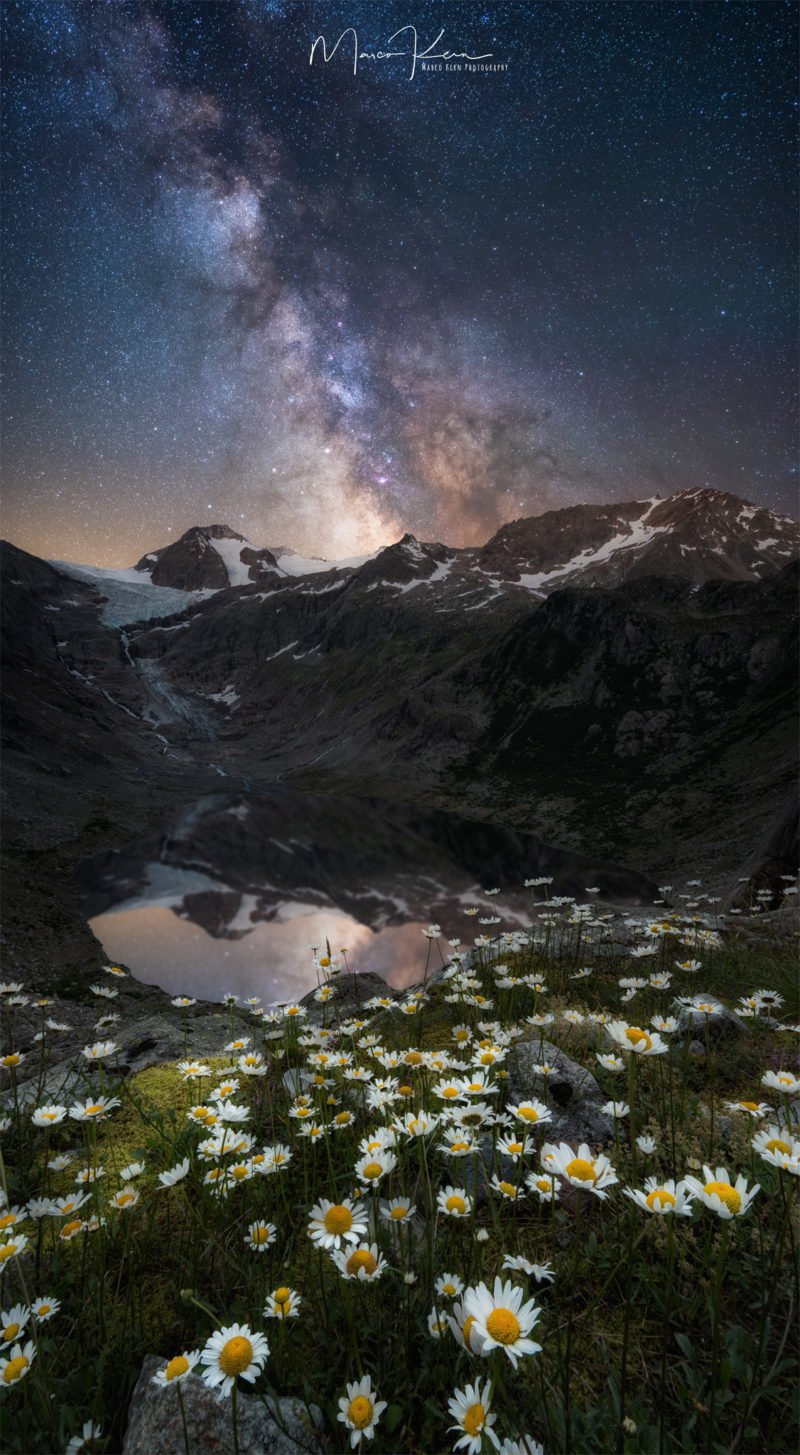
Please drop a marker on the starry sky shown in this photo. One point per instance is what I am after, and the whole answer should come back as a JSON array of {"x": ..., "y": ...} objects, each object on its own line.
[{"x": 329, "y": 307}]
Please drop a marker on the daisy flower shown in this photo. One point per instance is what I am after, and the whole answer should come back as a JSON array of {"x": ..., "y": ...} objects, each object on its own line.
[
  {"x": 633, "y": 1038},
  {"x": 457, "y": 1143},
  {"x": 508, "y": 1190},
  {"x": 610, "y": 1062},
  {"x": 726, "y": 1199},
  {"x": 13, "y": 1321},
  {"x": 616, "y": 1109},
  {"x": 449, "y": 1285},
  {"x": 125, "y": 1199},
  {"x": 174, "y": 1174},
  {"x": 544, "y": 1185},
  {"x": 397, "y": 1210},
  {"x": 373, "y": 1166},
  {"x": 360, "y": 1411},
  {"x": 260, "y": 1236},
  {"x": 177, "y": 1369},
  {"x": 581, "y": 1168},
  {"x": 755, "y": 1109},
  {"x": 511, "y": 1146},
  {"x": 782, "y": 1081},
  {"x": 133, "y": 1169},
  {"x": 333, "y": 1223},
  {"x": 542, "y": 1272},
  {"x": 45, "y": 1308},
  {"x": 502, "y": 1321},
  {"x": 11, "y": 1216},
  {"x": 283, "y": 1303},
  {"x": 88, "y": 1435},
  {"x": 363, "y": 1263},
  {"x": 471, "y": 1411},
  {"x": 531, "y": 1111},
  {"x": 661, "y": 1197},
  {"x": 437, "y": 1323},
  {"x": 93, "y": 1111},
  {"x": 416, "y": 1124},
  {"x": 454, "y": 1202},
  {"x": 525, "y": 1445},
  {"x": 17, "y": 1365},
  {"x": 232, "y": 1353},
  {"x": 646, "y": 1145},
  {"x": 48, "y": 1116},
  {"x": 778, "y": 1147}
]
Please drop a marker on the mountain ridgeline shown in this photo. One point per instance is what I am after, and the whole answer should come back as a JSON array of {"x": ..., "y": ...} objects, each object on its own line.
[{"x": 618, "y": 680}]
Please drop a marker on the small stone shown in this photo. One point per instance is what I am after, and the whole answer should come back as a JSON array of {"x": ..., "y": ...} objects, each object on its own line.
[{"x": 155, "y": 1426}]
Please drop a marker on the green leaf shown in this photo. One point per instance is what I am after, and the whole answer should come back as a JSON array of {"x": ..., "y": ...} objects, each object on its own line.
[{"x": 685, "y": 1345}]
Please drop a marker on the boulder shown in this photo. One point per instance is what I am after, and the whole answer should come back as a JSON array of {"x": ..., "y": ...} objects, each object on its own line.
[
  {"x": 721, "y": 1027},
  {"x": 571, "y": 1091},
  {"x": 265, "y": 1427}
]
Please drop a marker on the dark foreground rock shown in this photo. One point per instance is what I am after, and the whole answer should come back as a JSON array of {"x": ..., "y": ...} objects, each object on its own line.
[
  {"x": 571, "y": 1091},
  {"x": 155, "y": 1427}
]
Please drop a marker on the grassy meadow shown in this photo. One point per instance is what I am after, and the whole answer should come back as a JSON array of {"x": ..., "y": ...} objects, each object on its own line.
[{"x": 366, "y": 1202}]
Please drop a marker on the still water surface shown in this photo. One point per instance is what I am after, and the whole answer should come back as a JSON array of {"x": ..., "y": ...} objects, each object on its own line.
[{"x": 232, "y": 893}]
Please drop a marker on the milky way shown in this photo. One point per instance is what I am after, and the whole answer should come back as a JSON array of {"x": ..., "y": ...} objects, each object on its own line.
[{"x": 327, "y": 308}]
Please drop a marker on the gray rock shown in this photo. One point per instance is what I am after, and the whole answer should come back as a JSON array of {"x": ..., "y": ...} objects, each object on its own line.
[
  {"x": 350, "y": 994},
  {"x": 695, "y": 1023},
  {"x": 571, "y": 1091},
  {"x": 155, "y": 1427}
]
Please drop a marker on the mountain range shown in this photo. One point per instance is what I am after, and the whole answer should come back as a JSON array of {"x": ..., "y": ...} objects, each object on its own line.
[{"x": 618, "y": 680}]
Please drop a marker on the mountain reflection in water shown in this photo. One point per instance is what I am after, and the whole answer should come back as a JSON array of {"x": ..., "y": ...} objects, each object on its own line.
[{"x": 233, "y": 892}]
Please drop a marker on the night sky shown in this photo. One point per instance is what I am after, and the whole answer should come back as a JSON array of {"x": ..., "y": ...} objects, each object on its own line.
[{"x": 328, "y": 308}]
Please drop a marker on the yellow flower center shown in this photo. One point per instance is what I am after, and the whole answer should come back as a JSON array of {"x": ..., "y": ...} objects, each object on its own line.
[
  {"x": 398, "y": 1213},
  {"x": 786, "y": 1080},
  {"x": 123, "y": 1198},
  {"x": 725, "y": 1193},
  {"x": 413, "y": 1058},
  {"x": 659, "y": 1197},
  {"x": 14, "y": 1369},
  {"x": 360, "y": 1412},
  {"x": 12, "y": 1060},
  {"x": 235, "y": 1356},
  {"x": 777, "y": 1144},
  {"x": 455, "y": 1203},
  {"x": 240, "y": 1172},
  {"x": 260, "y": 1235},
  {"x": 581, "y": 1169},
  {"x": 10, "y": 1332},
  {"x": 49, "y": 1116},
  {"x": 749, "y": 1105},
  {"x": 635, "y": 1036},
  {"x": 43, "y": 1310},
  {"x": 338, "y": 1219},
  {"x": 372, "y": 1170},
  {"x": 282, "y": 1295},
  {"x": 474, "y": 1419},
  {"x": 467, "y": 1329},
  {"x": 406, "y": 1090},
  {"x": 514, "y": 1147},
  {"x": 362, "y": 1258},
  {"x": 70, "y": 1228},
  {"x": 449, "y": 1092},
  {"x": 324, "y": 960},
  {"x": 503, "y": 1325},
  {"x": 528, "y": 1114},
  {"x": 7, "y": 1252},
  {"x": 544, "y": 1184},
  {"x": 176, "y": 1367},
  {"x": 8, "y": 1220},
  {"x": 459, "y": 1146},
  {"x": 508, "y": 1188},
  {"x": 449, "y": 1289},
  {"x": 462, "y": 1036}
]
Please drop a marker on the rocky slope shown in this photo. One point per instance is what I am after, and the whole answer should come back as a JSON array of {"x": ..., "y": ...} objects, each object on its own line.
[{"x": 642, "y": 719}]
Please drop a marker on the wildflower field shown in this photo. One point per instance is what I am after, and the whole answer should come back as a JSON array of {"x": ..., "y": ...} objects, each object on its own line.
[{"x": 389, "y": 1208}]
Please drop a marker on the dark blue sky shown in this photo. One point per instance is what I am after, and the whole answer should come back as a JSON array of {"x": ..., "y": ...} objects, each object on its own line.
[{"x": 329, "y": 307}]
